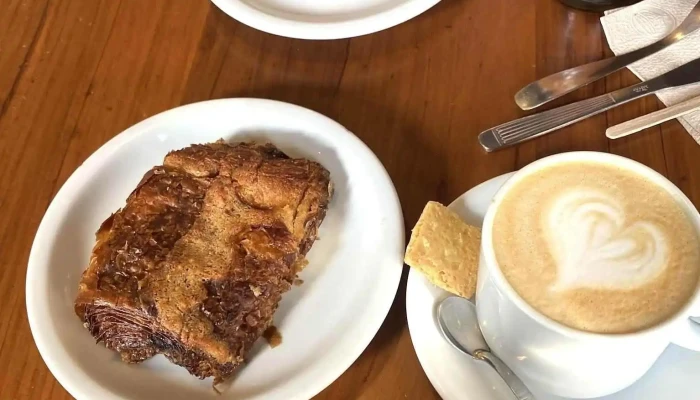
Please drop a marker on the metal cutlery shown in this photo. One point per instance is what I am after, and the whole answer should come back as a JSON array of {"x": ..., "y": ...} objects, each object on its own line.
[
  {"x": 561, "y": 83},
  {"x": 655, "y": 118},
  {"x": 459, "y": 325},
  {"x": 536, "y": 125}
]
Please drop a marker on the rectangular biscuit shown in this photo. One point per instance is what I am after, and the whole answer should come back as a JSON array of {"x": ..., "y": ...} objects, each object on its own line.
[{"x": 445, "y": 249}]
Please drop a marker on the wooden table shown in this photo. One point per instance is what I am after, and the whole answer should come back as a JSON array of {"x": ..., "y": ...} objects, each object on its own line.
[{"x": 74, "y": 73}]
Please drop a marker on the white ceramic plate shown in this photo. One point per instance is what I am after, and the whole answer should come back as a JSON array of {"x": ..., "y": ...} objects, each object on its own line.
[
  {"x": 323, "y": 19},
  {"x": 459, "y": 377},
  {"x": 350, "y": 283}
]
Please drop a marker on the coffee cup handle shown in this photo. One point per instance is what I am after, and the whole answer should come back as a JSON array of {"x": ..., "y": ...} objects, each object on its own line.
[{"x": 688, "y": 334}]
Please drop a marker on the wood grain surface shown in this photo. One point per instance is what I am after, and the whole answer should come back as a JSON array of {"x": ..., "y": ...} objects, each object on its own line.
[{"x": 74, "y": 73}]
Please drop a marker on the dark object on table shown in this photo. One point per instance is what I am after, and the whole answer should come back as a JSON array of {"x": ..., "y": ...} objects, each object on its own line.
[
  {"x": 598, "y": 5},
  {"x": 195, "y": 264}
]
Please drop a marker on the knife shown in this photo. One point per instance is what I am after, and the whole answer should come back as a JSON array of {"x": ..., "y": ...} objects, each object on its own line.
[
  {"x": 561, "y": 83},
  {"x": 532, "y": 126}
]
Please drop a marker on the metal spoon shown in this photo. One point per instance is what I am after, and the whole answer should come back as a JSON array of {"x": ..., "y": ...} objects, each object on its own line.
[
  {"x": 561, "y": 83},
  {"x": 460, "y": 326}
]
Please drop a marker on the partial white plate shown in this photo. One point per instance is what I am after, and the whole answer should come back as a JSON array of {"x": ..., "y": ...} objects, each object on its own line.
[
  {"x": 323, "y": 19},
  {"x": 349, "y": 285},
  {"x": 459, "y": 377}
]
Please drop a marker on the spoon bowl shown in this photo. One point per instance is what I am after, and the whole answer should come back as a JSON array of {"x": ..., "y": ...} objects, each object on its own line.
[{"x": 459, "y": 324}]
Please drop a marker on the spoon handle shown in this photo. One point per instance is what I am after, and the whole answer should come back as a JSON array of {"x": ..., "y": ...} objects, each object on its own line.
[{"x": 517, "y": 386}]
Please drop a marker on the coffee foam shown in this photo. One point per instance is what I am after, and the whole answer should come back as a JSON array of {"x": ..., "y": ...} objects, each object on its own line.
[
  {"x": 597, "y": 247},
  {"x": 594, "y": 247}
]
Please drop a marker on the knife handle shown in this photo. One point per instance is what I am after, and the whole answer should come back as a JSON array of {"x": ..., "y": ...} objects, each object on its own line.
[{"x": 535, "y": 125}]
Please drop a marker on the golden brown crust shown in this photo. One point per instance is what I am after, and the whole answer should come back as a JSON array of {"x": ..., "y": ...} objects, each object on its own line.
[
  {"x": 196, "y": 262},
  {"x": 136, "y": 238},
  {"x": 445, "y": 249}
]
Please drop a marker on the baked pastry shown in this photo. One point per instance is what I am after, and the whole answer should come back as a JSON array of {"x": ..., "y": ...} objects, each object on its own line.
[
  {"x": 196, "y": 262},
  {"x": 445, "y": 249}
]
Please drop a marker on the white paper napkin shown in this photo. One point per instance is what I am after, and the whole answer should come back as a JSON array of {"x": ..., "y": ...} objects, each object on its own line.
[{"x": 637, "y": 26}]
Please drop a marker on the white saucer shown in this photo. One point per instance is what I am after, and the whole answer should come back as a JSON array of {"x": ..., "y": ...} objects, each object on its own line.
[
  {"x": 323, "y": 19},
  {"x": 349, "y": 284},
  {"x": 458, "y": 377}
]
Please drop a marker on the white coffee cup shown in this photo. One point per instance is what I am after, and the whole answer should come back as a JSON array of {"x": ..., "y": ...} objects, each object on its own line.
[{"x": 551, "y": 357}]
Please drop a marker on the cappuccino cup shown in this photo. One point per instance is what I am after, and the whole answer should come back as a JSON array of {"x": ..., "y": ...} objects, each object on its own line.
[{"x": 589, "y": 269}]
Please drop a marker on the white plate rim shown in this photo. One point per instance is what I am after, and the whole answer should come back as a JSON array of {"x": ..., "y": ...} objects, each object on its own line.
[
  {"x": 61, "y": 202},
  {"x": 299, "y": 29}
]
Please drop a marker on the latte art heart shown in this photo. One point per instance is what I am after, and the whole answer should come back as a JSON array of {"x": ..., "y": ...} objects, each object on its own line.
[{"x": 595, "y": 246}]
